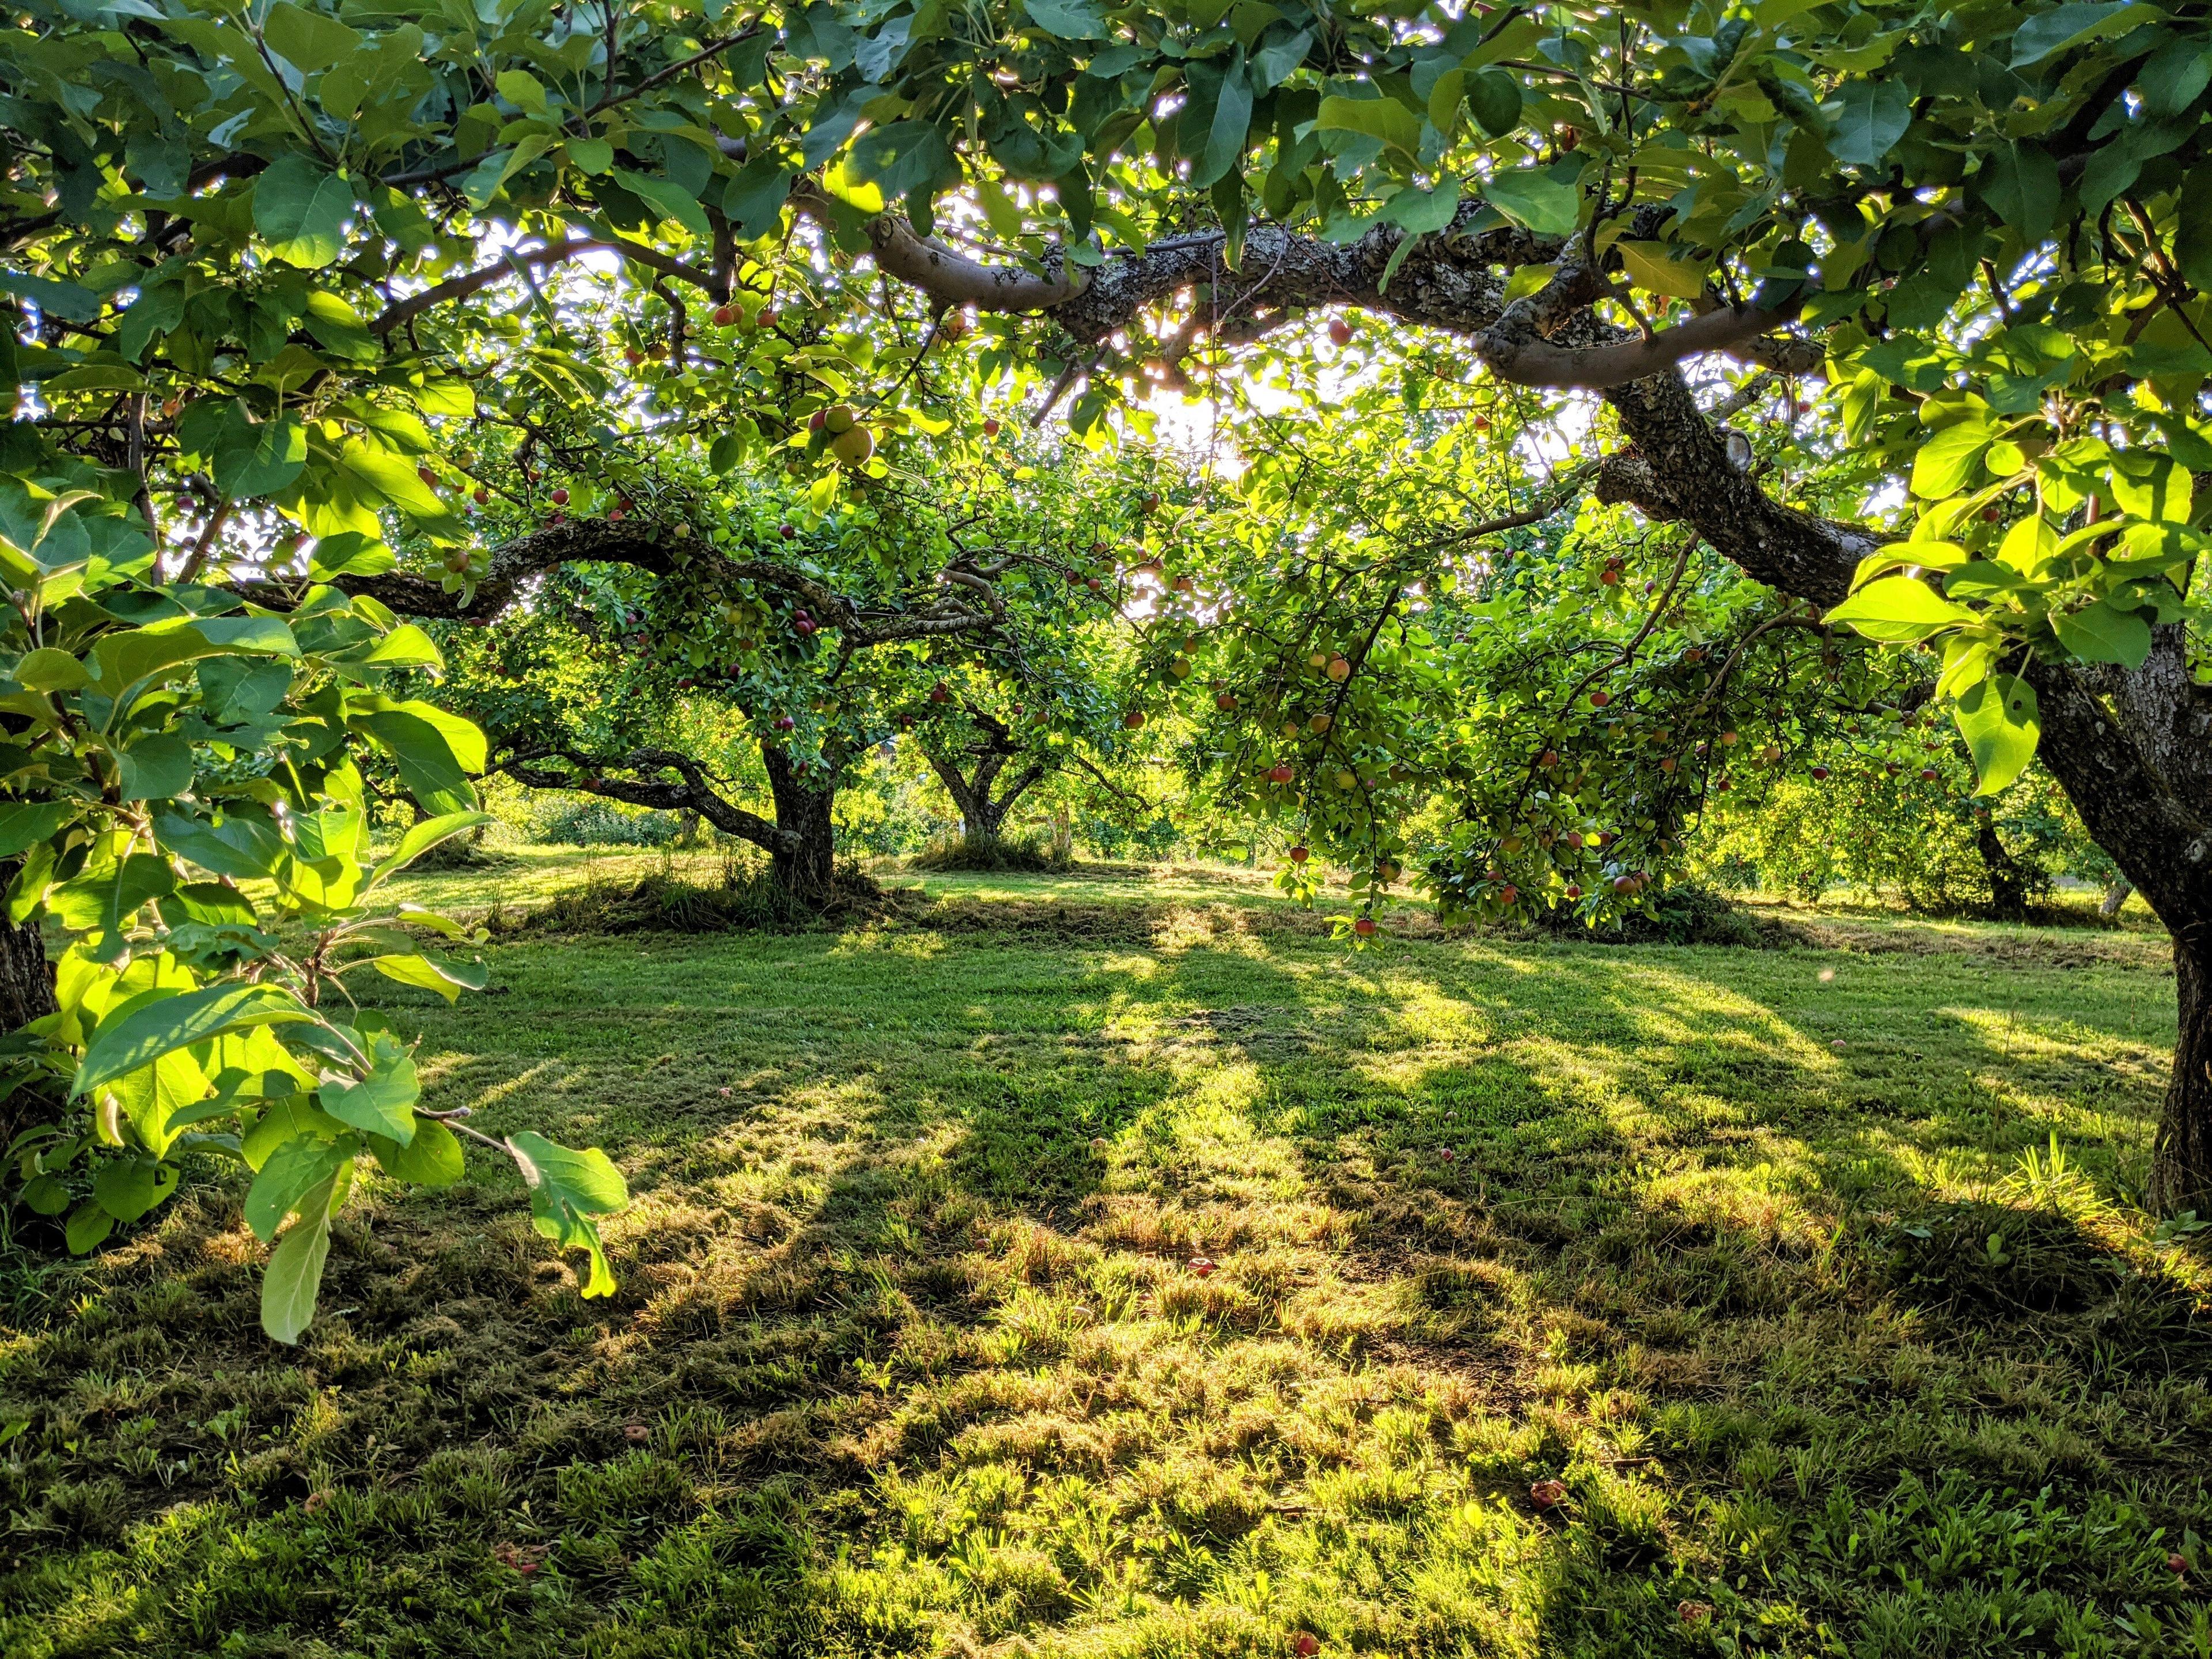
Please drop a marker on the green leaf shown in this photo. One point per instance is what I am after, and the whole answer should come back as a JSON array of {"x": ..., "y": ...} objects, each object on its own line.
[
  {"x": 161, "y": 1028},
  {"x": 1537, "y": 201},
  {"x": 1874, "y": 115},
  {"x": 1373, "y": 118},
  {"x": 302, "y": 209},
  {"x": 1494, "y": 97},
  {"x": 127, "y": 1187},
  {"x": 2072, "y": 25},
  {"x": 2097, "y": 633},
  {"x": 295, "y": 1274},
  {"x": 2192, "y": 233},
  {"x": 2152, "y": 487},
  {"x": 1067, "y": 20},
  {"x": 1899, "y": 610},
  {"x": 2019, "y": 179},
  {"x": 1948, "y": 460},
  {"x": 155, "y": 767},
  {"x": 293, "y": 1171},
  {"x": 381, "y": 1103},
  {"x": 421, "y": 838},
  {"x": 1232, "y": 118},
  {"x": 668, "y": 200},
  {"x": 567, "y": 1188},
  {"x": 434, "y": 751},
  {"x": 2000, "y": 722},
  {"x": 48, "y": 670},
  {"x": 591, "y": 155},
  {"x": 448, "y": 979},
  {"x": 522, "y": 88},
  {"x": 1652, "y": 266},
  {"x": 86, "y": 1226},
  {"x": 309, "y": 40},
  {"x": 433, "y": 1158},
  {"x": 1422, "y": 211},
  {"x": 406, "y": 646},
  {"x": 24, "y": 825}
]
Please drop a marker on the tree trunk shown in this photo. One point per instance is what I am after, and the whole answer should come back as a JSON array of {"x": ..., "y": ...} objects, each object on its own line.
[
  {"x": 805, "y": 867},
  {"x": 27, "y": 978},
  {"x": 2007, "y": 881},
  {"x": 2181, "y": 1157},
  {"x": 2131, "y": 751},
  {"x": 26, "y": 993},
  {"x": 2116, "y": 898}
]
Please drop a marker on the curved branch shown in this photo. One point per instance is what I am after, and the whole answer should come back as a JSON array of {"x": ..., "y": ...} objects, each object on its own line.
[{"x": 691, "y": 790}]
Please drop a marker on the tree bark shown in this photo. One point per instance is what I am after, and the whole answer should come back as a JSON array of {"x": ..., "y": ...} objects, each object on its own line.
[
  {"x": 2007, "y": 881},
  {"x": 2116, "y": 898},
  {"x": 804, "y": 861},
  {"x": 27, "y": 978}
]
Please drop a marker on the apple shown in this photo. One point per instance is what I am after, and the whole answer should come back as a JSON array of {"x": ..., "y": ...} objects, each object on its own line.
[
  {"x": 1225, "y": 702},
  {"x": 1339, "y": 332},
  {"x": 725, "y": 315},
  {"x": 1609, "y": 576},
  {"x": 1180, "y": 668},
  {"x": 1549, "y": 757},
  {"x": 767, "y": 317},
  {"x": 1509, "y": 894},
  {"x": 1575, "y": 839},
  {"x": 1093, "y": 584},
  {"x": 1573, "y": 891},
  {"x": 1318, "y": 660},
  {"x": 1667, "y": 765},
  {"x": 1299, "y": 854},
  {"x": 1319, "y": 723},
  {"x": 482, "y": 496},
  {"x": 1152, "y": 503},
  {"x": 428, "y": 476},
  {"x": 788, "y": 533},
  {"x": 1819, "y": 774},
  {"x": 840, "y": 418},
  {"x": 685, "y": 685},
  {"x": 1548, "y": 1494},
  {"x": 1307, "y": 1645},
  {"x": 1366, "y": 927},
  {"x": 941, "y": 693},
  {"x": 785, "y": 723},
  {"x": 991, "y": 427},
  {"x": 854, "y": 446},
  {"x": 560, "y": 497},
  {"x": 2177, "y": 1562},
  {"x": 632, "y": 356},
  {"x": 1200, "y": 1266},
  {"x": 1929, "y": 774},
  {"x": 617, "y": 514},
  {"x": 1599, "y": 699},
  {"x": 556, "y": 518},
  {"x": 803, "y": 625},
  {"x": 1133, "y": 720},
  {"x": 1727, "y": 739},
  {"x": 819, "y": 420},
  {"x": 1338, "y": 669},
  {"x": 1279, "y": 774}
]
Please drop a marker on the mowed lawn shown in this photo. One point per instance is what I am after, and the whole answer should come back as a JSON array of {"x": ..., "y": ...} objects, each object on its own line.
[{"x": 1764, "y": 1255}]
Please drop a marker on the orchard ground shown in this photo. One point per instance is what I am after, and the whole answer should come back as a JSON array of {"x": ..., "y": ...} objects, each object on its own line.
[{"x": 1810, "y": 1271}]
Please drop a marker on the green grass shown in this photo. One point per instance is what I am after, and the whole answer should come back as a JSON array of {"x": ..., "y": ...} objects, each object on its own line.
[{"x": 908, "y": 1355}]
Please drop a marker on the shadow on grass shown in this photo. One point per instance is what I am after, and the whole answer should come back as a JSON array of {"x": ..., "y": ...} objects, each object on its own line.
[{"x": 909, "y": 1352}]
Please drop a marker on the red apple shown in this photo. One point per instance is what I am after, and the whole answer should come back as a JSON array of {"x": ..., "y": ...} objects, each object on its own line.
[
  {"x": 427, "y": 476},
  {"x": 1819, "y": 774},
  {"x": 1299, "y": 856},
  {"x": 1339, "y": 332},
  {"x": 785, "y": 723},
  {"x": 1307, "y": 1645},
  {"x": 939, "y": 693},
  {"x": 560, "y": 497},
  {"x": 1225, "y": 702},
  {"x": 482, "y": 495},
  {"x": 1548, "y": 1494},
  {"x": 1279, "y": 774},
  {"x": 1200, "y": 1266},
  {"x": 991, "y": 427},
  {"x": 788, "y": 532},
  {"x": 1509, "y": 894},
  {"x": 1134, "y": 719},
  {"x": 2177, "y": 1562},
  {"x": 1599, "y": 699},
  {"x": 1549, "y": 757},
  {"x": 1573, "y": 891},
  {"x": 1365, "y": 928}
]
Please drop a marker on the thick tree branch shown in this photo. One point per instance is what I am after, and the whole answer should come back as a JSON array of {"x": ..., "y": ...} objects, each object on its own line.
[{"x": 691, "y": 789}]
